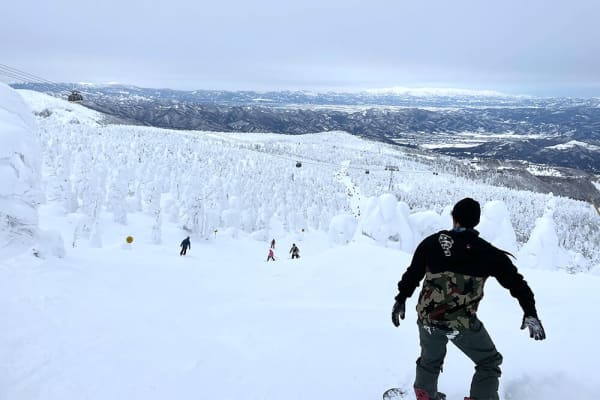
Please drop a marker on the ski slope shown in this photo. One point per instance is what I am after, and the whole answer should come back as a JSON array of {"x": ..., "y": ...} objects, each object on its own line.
[
  {"x": 221, "y": 322},
  {"x": 95, "y": 318}
]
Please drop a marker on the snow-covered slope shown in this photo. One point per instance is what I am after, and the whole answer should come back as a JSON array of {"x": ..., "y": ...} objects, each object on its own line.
[
  {"x": 127, "y": 321},
  {"x": 68, "y": 113},
  {"x": 223, "y": 323}
]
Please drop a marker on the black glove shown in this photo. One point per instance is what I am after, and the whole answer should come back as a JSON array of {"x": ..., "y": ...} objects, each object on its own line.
[
  {"x": 398, "y": 312},
  {"x": 536, "y": 330}
]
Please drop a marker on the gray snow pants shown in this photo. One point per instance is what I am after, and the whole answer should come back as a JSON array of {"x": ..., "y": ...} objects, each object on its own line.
[{"x": 475, "y": 343}]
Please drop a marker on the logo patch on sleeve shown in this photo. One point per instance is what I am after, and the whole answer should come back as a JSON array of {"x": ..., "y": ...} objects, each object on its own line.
[{"x": 446, "y": 242}]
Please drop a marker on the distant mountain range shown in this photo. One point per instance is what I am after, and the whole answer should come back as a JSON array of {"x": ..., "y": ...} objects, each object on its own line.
[{"x": 562, "y": 132}]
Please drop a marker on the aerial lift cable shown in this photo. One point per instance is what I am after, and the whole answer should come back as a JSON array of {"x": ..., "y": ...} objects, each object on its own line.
[{"x": 27, "y": 77}]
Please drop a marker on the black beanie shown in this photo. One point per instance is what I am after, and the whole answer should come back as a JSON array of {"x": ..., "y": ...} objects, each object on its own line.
[{"x": 467, "y": 212}]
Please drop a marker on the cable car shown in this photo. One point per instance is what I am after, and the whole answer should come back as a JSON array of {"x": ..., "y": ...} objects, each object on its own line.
[
  {"x": 75, "y": 96},
  {"x": 298, "y": 164}
]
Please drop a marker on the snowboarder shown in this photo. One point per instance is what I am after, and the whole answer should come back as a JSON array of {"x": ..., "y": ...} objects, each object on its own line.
[
  {"x": 185, "y": 244},
  {"x": 455, "y": 265},
  {"x": 273, "y": 243},
  {"x": 295, "y": 251},
  {"x": 271, "y": 255}
]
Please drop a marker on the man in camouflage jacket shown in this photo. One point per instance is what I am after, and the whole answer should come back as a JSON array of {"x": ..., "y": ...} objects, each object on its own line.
[{"x": 455, "y": 265}]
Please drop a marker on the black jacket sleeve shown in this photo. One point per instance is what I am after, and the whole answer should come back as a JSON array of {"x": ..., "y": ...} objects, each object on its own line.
[
  {"x": 507, "y": 275},
  {"x": 414, "y": 273}
]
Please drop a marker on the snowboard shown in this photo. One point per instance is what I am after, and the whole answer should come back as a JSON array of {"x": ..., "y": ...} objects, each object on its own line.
[
  {"x": 395, "y": 394},
  {"x": 403, "y": 394}
]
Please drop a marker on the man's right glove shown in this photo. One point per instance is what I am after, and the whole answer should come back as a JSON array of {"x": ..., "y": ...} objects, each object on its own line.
[
  {"x": 536, "y": 330},
  {"x": 398, "y": 312}
]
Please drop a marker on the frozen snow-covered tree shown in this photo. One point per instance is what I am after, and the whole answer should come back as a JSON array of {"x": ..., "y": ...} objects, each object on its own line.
[
  {"x": 495, "y": 226},
  {"x": 117, "y": 192},
  {"x": 96, "y": 234},
  {"x": 20, "y": 155},
  {"x": 543, "y": 250},
  {"x": 154, "y": 209}
]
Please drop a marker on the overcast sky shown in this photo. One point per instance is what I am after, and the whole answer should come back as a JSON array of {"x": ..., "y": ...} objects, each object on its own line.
[{"x": 515, "y": 46}]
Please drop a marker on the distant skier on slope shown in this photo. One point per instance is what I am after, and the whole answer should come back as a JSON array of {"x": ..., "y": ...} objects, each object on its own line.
[
  {"x": 271, "y": 255},
  {"x": 455, "y": 265},
  {"x": 185, "y": 245},
  {"x": 273, "y": 243},
  {"x": 295, "y": 251}
]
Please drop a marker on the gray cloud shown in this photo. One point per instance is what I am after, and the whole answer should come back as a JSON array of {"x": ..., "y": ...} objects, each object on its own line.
[{"x": 525, "y": 47}]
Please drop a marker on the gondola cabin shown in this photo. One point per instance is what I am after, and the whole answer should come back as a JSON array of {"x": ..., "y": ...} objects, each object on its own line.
[{"x": 75, "y": 96}]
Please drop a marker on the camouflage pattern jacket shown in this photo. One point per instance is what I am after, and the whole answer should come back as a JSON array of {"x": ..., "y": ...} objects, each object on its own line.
[{"x": 455, "y": 265}]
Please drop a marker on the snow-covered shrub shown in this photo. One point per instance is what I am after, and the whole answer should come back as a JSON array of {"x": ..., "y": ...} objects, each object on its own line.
[
  {"x": 386, "y": 221},
  {"x": 342, "y": 228}
]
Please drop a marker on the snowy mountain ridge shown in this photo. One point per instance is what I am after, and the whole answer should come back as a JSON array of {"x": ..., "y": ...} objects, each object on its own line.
[
  {"x": 437, "y": 92},
  {"x": 511, "y": 127}
]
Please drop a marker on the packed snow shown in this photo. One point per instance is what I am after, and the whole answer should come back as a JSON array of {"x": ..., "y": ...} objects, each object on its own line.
[{"x": 100, "y": 318}]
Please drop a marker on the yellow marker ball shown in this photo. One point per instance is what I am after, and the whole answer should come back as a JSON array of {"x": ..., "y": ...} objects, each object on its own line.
[{"x": 129, "y": 239}]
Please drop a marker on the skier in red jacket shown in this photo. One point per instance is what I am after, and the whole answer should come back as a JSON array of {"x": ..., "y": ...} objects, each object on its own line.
[{"x": 271, "y": 255}]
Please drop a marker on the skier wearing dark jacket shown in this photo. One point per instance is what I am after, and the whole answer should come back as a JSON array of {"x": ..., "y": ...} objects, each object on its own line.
[
  {"x": 295, "y": 251},
  {"x": 455, "y": 265},
  {"x": 185, "y": 244}
]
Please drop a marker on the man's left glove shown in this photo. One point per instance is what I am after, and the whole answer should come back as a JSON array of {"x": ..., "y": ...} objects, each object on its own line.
[
  {"x": 398, "y": 312},
  {"x": 536, "y": 330}
]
